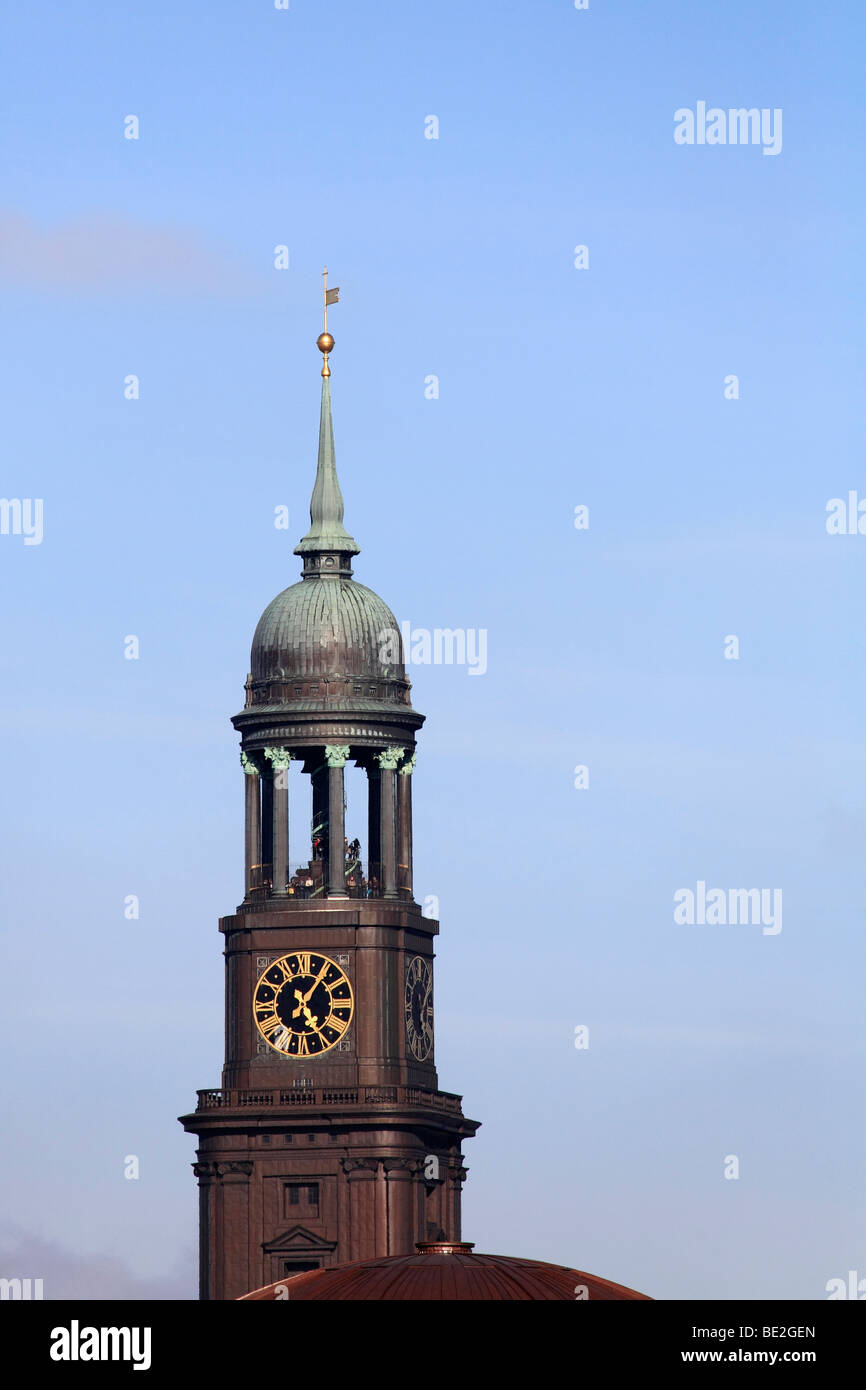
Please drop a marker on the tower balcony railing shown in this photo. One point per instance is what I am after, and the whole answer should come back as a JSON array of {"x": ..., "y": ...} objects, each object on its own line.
[
  {"x": 329, "y": 1098},
  {"x": 307, "y": 880}
]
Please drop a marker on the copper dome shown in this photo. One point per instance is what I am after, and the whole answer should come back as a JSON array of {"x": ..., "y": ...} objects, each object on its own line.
[{"x": 445, "y": 1272}]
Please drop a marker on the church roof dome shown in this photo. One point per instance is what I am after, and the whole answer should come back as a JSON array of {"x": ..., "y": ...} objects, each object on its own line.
[{"x": 442, "y": 1272}]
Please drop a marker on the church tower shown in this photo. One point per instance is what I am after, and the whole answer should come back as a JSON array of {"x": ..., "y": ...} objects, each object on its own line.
[{"x": 329, "y": 1139}]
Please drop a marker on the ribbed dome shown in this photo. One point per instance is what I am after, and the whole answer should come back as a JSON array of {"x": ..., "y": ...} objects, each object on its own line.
[
  {"x": 327, "y": 627},
  {"x": 431, "y": 1276}
]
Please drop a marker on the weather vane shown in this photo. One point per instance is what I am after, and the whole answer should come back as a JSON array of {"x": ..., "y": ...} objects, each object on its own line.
[{"x": 325, "y": 342}]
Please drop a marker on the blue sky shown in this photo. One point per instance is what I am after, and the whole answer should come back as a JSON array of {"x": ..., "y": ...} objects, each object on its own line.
[{"x": 557, "y": 387}]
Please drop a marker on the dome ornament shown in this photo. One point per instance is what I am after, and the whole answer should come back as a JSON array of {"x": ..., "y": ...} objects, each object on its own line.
[
  {"x": 324, "y": 342},
  {"x": 327, "y": 546}
]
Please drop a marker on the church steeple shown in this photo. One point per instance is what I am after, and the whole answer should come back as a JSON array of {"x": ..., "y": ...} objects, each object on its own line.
[
  {"x": 327, "y": 534},
  {"x": 328, "y": 1139}
]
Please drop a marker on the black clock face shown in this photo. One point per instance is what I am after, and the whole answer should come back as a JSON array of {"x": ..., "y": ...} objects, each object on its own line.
[
  {"x": 303, "y": 1004},
  {"x": 419, "y": 1008}
]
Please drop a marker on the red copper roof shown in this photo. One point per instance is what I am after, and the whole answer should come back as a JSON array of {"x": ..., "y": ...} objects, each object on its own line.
[{"x": 434, "y": 1276}]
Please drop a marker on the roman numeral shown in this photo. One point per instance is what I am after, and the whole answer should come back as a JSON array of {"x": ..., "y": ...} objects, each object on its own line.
[
  {"x": 304, "y": 963},
  {"x": 339, "y": 1024}
]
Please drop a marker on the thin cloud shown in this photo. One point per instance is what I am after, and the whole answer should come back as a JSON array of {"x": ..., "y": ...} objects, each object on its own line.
[
  {"x": 65, "y": 1274},
  {"x": 103, "y": 252}
]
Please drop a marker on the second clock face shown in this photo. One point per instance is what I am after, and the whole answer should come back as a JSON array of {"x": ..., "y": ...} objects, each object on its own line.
[
  {"x": 419, "y": 1008},
  {"x": 303, "y": 1004}
]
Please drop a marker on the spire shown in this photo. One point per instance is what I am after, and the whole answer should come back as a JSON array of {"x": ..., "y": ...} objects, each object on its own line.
[{"x": 327, "y": 532}]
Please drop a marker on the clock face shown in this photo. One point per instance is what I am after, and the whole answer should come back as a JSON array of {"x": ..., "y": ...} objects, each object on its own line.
[
  {"x": 419, "y": 1008},
  {"x": 303, "y": 1004}
]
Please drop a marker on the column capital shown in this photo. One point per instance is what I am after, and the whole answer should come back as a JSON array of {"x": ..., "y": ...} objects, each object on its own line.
[
  {"x": 408, "y": 764},
  {"x": 249, "y": 765},
  {"x": 336, "y": 754},
  {"x": 389, "y": 758},
  {"x": 279, "y": 758},
  {"x": 235, "y": 1171},
  {"x": 401, "y": 1167},
  {"x": 359, "y": 1167}
]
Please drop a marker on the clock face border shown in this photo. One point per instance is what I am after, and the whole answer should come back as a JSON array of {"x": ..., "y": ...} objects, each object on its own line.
[
  {"x": 324, "y": 1005},
  {"x": 418, "y": 969}
]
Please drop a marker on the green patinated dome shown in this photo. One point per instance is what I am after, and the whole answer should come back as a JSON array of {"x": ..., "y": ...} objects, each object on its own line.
[{"x": 322, "y": 627}]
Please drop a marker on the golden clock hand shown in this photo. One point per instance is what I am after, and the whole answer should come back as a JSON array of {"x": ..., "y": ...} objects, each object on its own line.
[{"x": 317, "y": 981}]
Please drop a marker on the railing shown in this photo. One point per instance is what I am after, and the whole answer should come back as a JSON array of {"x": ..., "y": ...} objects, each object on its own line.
[
  {"x": 307, "y": 880},
  {"x": 329, "y": 1098}
]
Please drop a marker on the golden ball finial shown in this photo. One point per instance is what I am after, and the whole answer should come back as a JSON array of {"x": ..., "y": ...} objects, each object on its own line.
[{"x": 325, "y": 342}]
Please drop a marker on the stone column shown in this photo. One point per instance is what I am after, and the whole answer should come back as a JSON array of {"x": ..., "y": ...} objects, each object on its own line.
[
  {"x": 207, "y": 1178},
  {"x": 279, "y": 758},
  {"x": 456, "y": 1177},
  {"x": 336, "y": 755},
  {"x": 374, "y": 817},
  {"x": 388, "y": 761},
  {"x": 400, "y": 1177},
  {"x": 361, "y": 1175},
  {"x": 252, "y": 822},
  {"x": 267, "y": 830},
  {"x": 319, "y": 780},
  {"x": 404, "y": 826},
  {"x": 234, "y": 1244}
]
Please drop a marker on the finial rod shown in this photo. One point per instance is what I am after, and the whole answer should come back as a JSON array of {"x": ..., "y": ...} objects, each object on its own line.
[{"x": 325, "y": 342}]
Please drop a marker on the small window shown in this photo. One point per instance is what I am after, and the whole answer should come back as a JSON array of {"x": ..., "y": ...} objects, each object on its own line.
[{"x": 302, "y": 1199}]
